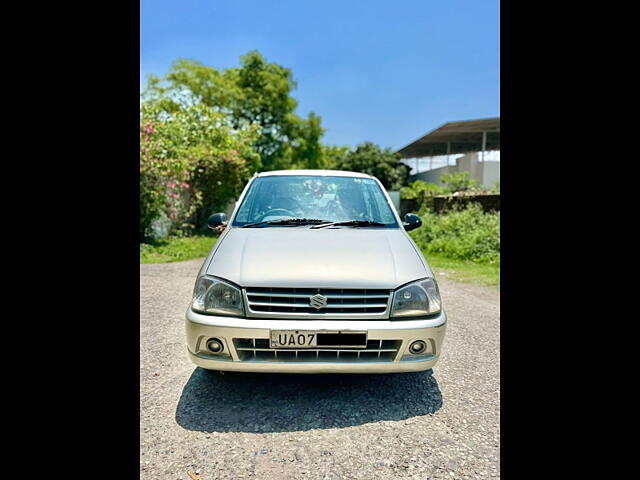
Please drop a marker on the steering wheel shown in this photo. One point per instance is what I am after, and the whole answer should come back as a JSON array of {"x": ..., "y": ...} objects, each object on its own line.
[{"x": 278, "y": 211}]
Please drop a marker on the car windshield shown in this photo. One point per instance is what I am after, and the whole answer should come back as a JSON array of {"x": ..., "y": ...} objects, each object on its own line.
[{"x": 330, "y": 199}]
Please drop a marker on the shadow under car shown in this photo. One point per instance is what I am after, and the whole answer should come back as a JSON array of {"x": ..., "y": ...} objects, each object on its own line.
[{"x": 261, "y": 402}]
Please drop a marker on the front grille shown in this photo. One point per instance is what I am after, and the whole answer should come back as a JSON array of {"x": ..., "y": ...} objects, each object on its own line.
[
  {"x": 340, "y": 302},
  {"x": 257, "y": 350}
]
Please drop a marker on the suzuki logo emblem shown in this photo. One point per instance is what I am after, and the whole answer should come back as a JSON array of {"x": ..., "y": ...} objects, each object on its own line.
[{"x": 318, "y": 301}]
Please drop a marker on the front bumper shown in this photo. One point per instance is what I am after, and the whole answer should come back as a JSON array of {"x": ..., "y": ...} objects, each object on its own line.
[{"x": 400, "y": 333}]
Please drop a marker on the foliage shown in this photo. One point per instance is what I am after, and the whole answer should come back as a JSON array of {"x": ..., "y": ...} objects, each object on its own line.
[
  {"x": 256, "y": 92},
  {"x": 176, "y": 249},
  {"x": 466, "y": 234},
  {"x": 332, "y": 155},
  {"x": 191, "y": 162},
  {"x": 163, "y": 179},
  {"x": 371, "y": 159},
  {"x": 460, "y": 182},
  {"x": 307, "y": 151},
  {"x": 423, "y": 192}
]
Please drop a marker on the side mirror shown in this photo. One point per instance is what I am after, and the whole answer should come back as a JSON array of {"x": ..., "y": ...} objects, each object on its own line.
[
  {"x": 216, "y": 220},
  {"x": 411, "y": 221}
]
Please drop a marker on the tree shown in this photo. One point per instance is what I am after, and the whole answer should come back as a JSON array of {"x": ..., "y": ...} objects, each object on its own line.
[
  {"x": 382, "y": 164},
  {"x": 307, "y": 151},
  {"x": 333, "y": 155},
  {"x": 256, "y": 92}
]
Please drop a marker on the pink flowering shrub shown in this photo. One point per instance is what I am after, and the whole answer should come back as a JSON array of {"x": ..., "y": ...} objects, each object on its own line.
[{"x": 191, "y": 163}]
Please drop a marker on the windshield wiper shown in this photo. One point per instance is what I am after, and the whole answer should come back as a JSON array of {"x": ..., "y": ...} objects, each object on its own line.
[
  {"x": 352, "y": 223},
  {"x": 287, "y": 221}
]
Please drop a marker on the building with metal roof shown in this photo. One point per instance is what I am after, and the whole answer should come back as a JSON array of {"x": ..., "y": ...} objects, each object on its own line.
[{"x": 473, "y": 143}]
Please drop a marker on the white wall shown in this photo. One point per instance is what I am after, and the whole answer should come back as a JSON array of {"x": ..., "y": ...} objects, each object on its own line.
[
  {"x": 433, "y": 176},
  {"x": 487, "y": 172},
  {"x": 491, "y": 174}
]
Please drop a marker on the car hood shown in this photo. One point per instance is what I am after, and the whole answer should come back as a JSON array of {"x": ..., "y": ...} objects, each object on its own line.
[{"x": 320, "y": 258}]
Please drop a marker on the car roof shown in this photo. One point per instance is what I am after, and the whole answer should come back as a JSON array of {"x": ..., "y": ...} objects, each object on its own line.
[{"x": 322, "y": 173}]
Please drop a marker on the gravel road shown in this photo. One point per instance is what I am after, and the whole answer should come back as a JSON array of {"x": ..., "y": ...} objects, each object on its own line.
[{"x": 444, "y": 424}]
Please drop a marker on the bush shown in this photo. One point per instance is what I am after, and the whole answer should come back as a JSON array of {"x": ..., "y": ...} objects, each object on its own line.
[
  {"x": 465, "y": 234},
  {"x": 163, "y": 180},
  {"x": 191, "y": 162},
  {"x": 422, "y": 192},
  {"x": 460, "y": 182}
]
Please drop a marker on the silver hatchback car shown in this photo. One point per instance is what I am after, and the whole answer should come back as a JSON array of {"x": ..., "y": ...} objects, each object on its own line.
[{"x": 315, "y": 273}]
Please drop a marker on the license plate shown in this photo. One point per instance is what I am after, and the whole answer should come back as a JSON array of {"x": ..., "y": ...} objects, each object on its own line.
[
  {"x": 293, "y": 339},
  {"x": 321, "y": 339}
]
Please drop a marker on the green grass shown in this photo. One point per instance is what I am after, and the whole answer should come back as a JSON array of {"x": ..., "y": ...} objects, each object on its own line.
[
  {"x": 464, "y": 270},
  {"x": 176, "y": 249}
]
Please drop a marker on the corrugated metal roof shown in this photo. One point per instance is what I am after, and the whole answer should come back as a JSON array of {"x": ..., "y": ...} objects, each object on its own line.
[{"x": 461, "y": 137}]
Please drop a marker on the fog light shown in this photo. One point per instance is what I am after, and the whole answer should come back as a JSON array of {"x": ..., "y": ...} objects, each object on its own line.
[
  {"x": 418, "y": 346},
  {"x": 214, "y": 345}
]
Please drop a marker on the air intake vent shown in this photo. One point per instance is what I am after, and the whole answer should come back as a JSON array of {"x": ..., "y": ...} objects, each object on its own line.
[{"x": 257, "y": 350}]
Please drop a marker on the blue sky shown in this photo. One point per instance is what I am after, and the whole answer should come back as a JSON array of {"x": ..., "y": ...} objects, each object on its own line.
[{"x": 383, "y": 71}]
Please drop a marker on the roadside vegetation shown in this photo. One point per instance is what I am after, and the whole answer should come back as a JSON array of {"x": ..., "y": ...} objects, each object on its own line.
[
  {"x": 464, "y": 243},
  {"x": 466, "y": 234}
]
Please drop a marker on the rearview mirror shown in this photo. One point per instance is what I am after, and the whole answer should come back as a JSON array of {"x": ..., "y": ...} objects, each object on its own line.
[
  {"x": 411, "y": 221},
  {"x": 216, "y": 220}
]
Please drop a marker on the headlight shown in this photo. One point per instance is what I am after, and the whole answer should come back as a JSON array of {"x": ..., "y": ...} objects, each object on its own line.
[
  {"x": 416, "y": 299},
  {"x": 212, "y": 295}
]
